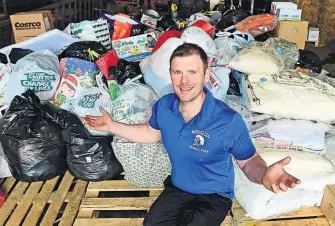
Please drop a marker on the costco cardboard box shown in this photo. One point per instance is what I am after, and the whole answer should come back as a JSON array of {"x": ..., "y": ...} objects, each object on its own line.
[
  {"x": 328, "y": 204},
  {"x": 294, "y": 31},
  {"x": 31, "y": 24}
]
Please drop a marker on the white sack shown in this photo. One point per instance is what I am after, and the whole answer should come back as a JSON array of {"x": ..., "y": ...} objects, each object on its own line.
[
  {"x": 219, "y": 82},
  {"x": 156, "y": 68}
]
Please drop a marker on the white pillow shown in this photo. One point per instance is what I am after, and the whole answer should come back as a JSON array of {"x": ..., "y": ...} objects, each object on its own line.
[
  {"x": 256, "y": 60},
  {"x": 302, "y": 161}
]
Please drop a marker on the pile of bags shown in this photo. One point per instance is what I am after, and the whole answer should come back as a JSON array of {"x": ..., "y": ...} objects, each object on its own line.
[{"x": 121, "y": 63}]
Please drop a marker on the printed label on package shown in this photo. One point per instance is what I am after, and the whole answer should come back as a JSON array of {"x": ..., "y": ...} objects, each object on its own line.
[{"x": 38, "y": 81}]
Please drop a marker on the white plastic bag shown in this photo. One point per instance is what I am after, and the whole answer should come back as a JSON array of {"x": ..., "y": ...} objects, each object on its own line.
[
  {"x": 198, "y": 36},
  {"x": 4, "y": 69},
  {"x": 257, "y": 60},
  {"x": 38, "y": 71},
  {"x": 156, "y": 68},
  {"x": 133, "y": 106},
  {"x": 219, "y": 82}
]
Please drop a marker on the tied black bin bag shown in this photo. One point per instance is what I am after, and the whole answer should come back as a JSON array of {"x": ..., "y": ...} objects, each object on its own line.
[
  {"x": 84, "y": 50},
  {"x": 31, "y": 140},
  {"x": 89, "y": 158}
]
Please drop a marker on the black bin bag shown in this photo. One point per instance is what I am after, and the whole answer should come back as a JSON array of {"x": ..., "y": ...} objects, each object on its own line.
[
  {"x": 31, "y": 140},
  {"x": 89, "y": 158},
  {"x": 84, "y": 50}
]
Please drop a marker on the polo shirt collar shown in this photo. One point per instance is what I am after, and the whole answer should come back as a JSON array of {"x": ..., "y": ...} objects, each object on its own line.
[{"x": 207, "y": 109}]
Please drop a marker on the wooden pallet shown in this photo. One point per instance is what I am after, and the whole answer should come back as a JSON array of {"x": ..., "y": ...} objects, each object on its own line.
[
  {"x": 47, "y": 203},
  {"x": 93, "y": 203},
  {"x": 303, "y": 217}
]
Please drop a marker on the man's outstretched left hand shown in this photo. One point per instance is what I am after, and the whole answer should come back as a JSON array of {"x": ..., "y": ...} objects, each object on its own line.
[{"x": 276, "y": 179}]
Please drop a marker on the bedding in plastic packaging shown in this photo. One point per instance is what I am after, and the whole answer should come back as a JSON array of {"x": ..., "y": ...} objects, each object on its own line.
[
  {"x": 314, "y": 171},
  {"x": 84, "y": 50},
  {"x": 133, "y": 106},
  {"x": 78, "y": 75},
  {"x": 38, "y": 71},
  {"x": 88, "y": 102},
  {"x": 219, "y": 82},
  {"x": 256, "y": 25},
  {"x": 122, "y": 26},
  {"x": 54, "y": 41},
  {"x": 290, "y": 94},
  {"x": 89, "y": 158},
  {"x": 228, "y": 45},
  {"x": 287, "y": 134},
  {"x": 257, "y": 59},
  {"x": 145, "y": 165},
  {"x": 156, "y": 68},
  {"x": 31, "y": 140},
  {"x": 198, "y": 36},
  {"x": 288, "y": 50}
]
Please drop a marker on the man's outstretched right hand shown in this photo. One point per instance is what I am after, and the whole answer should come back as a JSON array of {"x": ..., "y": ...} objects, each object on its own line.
[{"x": 101, "y": 123}]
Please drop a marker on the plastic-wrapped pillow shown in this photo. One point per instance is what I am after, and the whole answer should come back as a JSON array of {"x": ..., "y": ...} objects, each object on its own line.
[{"x": 257, "y": 60}]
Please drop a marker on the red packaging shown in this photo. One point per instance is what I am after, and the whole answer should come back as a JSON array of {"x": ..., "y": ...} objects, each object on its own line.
[
  {"x": 164, "y": 37},
  {"x": 204, "y": 25},
  {"x": 107, "y": 60},
  {"x": 2, "y": 198}
]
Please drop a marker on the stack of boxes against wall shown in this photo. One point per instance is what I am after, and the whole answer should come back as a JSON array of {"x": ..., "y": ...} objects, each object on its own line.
[
  {"x": 31, "y": 24},
  {"x": 291, "y": 26}
]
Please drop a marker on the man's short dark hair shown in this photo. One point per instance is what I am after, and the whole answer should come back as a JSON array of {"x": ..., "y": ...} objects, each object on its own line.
[
  {"x": 188, "y": 49},
  {"x": 149, "y": 36}
]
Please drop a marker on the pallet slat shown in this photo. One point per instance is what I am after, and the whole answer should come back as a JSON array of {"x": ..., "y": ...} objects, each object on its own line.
[
  {"x": 138, "y": 203},
  {"x": 40, "y": 202},
  {"x": 117, "y": 185},
  {"x": 12, "y": 200},
  {"x": 7, "y": 185},
  {"x": 56, "y": 204},
  {"x": 73, "y": 205},
  {"x": 109, "y": 222},
  {"x": 239, "y": 214},
  {"x": 25, "y": 203},
  {"x": 300, "y": 222}
]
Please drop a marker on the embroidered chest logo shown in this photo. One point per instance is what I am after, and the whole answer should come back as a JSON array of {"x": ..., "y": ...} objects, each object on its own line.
[{"x": 199, "y": 140}]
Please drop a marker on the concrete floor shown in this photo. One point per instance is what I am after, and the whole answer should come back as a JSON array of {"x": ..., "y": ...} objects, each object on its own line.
[{"x": 326, "y": 54}]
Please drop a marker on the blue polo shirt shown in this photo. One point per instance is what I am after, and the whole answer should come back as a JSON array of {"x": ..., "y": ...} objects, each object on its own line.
[{"x": 200, "y": 150}]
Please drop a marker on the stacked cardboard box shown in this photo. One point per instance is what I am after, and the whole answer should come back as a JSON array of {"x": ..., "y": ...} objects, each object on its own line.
[
  {"x": 31, "y": 24},
  {"x": 290, "y": 26}
]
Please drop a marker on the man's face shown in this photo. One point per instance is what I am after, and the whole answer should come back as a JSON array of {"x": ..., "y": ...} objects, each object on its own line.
[
  {"x": 188, "y": 77},
  {"x": 150, "y": 38}
]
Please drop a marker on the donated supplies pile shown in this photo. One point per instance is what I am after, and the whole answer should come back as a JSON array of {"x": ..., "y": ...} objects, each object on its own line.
[{"x": 121, "y": 63}]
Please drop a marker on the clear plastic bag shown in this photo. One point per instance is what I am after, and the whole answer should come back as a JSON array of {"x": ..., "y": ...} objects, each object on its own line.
[
  {"x": 288, "y": 50},
  {"x": 133, "y": 106}
]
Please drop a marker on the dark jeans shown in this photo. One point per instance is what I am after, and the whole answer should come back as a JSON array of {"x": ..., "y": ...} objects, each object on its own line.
[{"x": 175, "y": 207}]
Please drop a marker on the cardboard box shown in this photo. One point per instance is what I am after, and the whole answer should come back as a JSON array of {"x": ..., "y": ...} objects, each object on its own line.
[
  {"x": 282, "y": 5},
  {"x": 31, "y": 24},
  {"x": 313, "y": 34},
  {"x": 328, "y": 204},
  {"x": 289, "y": 14},
  {"x": 294, "y": 31},
  {"x": 21, "y": 39}
]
